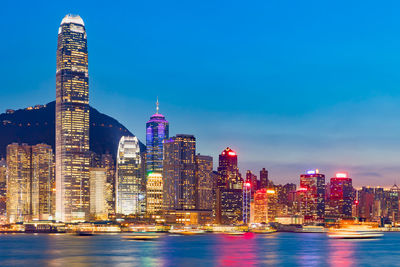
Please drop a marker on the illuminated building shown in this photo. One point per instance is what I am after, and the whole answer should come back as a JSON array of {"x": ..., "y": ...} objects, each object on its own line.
[
  {"x": 188, "y": 217},
  {"x": 107, "y": 162},
  {"x": 72, "y": 121},
  {"x": 42, "y": 182},
  {"x": 205, "y": 183},
  {"x": 252, "y": 178},
  {"x": 19, "y": 182},
  {"x": 229, "y": 206},
  {"x": 312, "y": 203},
  {"x": 30, "y": 191},
  {"x": 154, "y": 193},
  {"x": 3, "y": 187},
  {"x": 261, "y": 206},
  {"x": 246, "y": 202},
  {"x": 229, "y": 195},
  {"x": 366, "y": 202},
  {"x": 273, "y": 205},
  {"x": 392, "y": 204},
  {"x": 98, "y": 203},
  {"x": 341, "y": 196},
  {"x": 263, "y": 178},
  {"x": 157, "y": 130},
  {"x": 228, "y": 170},
  {"x": 130, "y": 182},
  {"x": 179, "y": 172}
]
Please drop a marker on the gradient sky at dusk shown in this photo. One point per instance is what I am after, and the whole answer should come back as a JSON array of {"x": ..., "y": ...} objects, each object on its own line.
[{"x": 290, "y": 85}]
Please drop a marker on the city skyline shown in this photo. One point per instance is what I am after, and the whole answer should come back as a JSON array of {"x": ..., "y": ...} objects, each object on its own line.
[{"x": 362, "y": 143}]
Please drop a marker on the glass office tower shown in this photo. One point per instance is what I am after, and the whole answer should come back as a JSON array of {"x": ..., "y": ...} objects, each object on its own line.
[
  {"x": 72, "y": 121},
  {"x": 130, "y": 185}
]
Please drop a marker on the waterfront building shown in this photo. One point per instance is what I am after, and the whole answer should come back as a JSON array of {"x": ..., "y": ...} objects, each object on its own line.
[
  {"x": 179, "y": 173},
  {"x": 30, "y": 185},
  {"x": 229, "y": 206},
  {"x": 130, "y": 182},
  {"x": 312, "y": 202},
  {"x": 273, "y": 205},
  {"x": 205, "y": 182},
  {"x": 341, "y": 196},
  {"x": 3, "y": 188},
  {"x": 72, "y": 121},
  {"x": 98, "y": 190},
  {"x": 188, "y": 217},
  {"x": 263, "y": 178},
  {"x": 42, "y": 182},
  {"x": 154, "y": 193},
  {"x": 19, "y": 182},
  {"x": 392, "y": 204},
  {"x": 261, "y": 206}
]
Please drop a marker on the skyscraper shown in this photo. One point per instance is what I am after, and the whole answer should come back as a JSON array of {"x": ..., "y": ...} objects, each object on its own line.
[
  {"x": 3, "y": 188},
  {"x": 72, "y": 121},
  {"x": 205, "y": 183},
  {"x": 228, "y": 170},
  {"x": 179, "y": 172},
  {"x": 154, "y": 193},
  {"x": 130, "y": 182},
  {"x": 30, "y": 191},
  {"x": 98, "y": 182},
  {"x": 157, "y": 129},
  {"x": 19, "y": 182},
  {"x": 312, "y": 204},
  {"x": 341, "y": 196},
  {"x": 42, "y": 182},
  {"x": 263, "y": 178},
  {"x": 229, "y": 195}
]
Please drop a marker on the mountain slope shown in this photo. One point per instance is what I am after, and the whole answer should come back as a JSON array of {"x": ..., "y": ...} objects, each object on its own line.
[{"x": 37, "y": 125}]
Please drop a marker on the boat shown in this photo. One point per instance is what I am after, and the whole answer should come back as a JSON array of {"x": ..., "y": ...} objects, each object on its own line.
[
  {"x": 354, "y": 234},
  {"x": 186, "y": 232},
  {"x": 311, "y": 229},
  {"x": 263, "y": 231},
  {"x": 141, "y": 237},
  {"x": 84, "y": 233}
]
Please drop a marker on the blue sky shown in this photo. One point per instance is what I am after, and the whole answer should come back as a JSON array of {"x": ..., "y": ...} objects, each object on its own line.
[{"x": 290, "y": 85}]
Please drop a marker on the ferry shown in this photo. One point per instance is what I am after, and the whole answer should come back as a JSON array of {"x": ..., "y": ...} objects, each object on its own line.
[
  {"x": 141, "y": 237},
  {"x": 354, "y": 234},
  {"x": 311, "y": 229},
  {"x": 186, "y": 231}
]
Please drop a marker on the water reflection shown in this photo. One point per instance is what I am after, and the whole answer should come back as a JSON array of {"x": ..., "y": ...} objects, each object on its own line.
[
  {"x": 236, "y": 250},
  {"x": 341, "y": 252}
]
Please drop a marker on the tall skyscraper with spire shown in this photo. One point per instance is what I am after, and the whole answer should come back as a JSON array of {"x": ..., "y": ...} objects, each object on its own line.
[
  {"x": 72, "y": 121},
  {"x": 157, "y": 129}
]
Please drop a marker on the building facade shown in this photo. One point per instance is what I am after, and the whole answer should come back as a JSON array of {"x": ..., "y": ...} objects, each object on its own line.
[
  {"x": 312, "y": 188},
  {"x": 157, "y": 130},
  {"x": 179, "y": 173},
  {"x": 98, "y": 189},
  {"x": 341, "y": 196},
  {"x": 72, "y": 121},
  {"x": 154, "y": 193},
  {"x": 43, "y": 182},
  {"x": 130, "y": 183},
  {"x": 205, "y": 183}
]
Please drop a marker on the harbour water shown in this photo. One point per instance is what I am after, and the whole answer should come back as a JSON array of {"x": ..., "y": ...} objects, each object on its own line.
[{"x": 277, "y": 249}]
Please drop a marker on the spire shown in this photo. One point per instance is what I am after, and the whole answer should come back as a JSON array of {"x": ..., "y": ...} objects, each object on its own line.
[{"x": 157, "y": 108}]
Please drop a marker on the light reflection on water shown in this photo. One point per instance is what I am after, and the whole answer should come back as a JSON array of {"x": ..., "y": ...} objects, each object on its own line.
[{"x": 277, "y": 249}]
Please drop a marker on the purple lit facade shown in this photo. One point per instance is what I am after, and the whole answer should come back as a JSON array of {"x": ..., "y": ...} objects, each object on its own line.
[{"x": 157, "y": 129}]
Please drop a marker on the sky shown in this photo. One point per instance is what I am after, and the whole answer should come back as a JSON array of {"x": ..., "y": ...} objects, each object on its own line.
[{"x": 289, "y": 85}]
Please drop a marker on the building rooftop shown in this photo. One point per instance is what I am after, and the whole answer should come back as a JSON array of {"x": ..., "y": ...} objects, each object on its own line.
[{"x": 70, "y": 18}]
